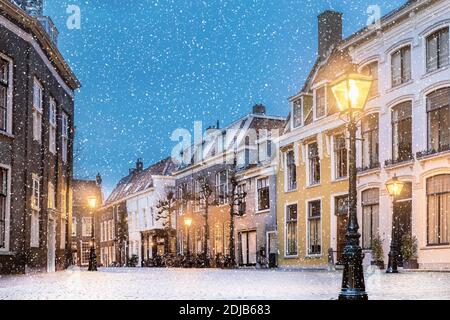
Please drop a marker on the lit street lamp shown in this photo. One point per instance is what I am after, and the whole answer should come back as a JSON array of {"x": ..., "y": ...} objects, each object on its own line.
[
  {"x": 394, "y": 187},
  {"x": 187, "y": 223},
  {"x": 92, "y": 204},
  {"x": 351, "y": 91}
]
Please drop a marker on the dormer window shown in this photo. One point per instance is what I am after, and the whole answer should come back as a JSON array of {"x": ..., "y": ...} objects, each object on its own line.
[
  {"x": 297, "y": 113},
  {"x": 307, "y": 110},
  {"x": 321, "y": 103}
]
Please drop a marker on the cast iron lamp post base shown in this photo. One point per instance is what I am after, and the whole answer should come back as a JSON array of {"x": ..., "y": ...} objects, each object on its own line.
[{"x": 393, "y": 255}]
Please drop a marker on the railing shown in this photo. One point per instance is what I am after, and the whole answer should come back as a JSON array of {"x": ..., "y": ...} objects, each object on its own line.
[
  {"x": 393, "y": 162},
  {"x": 374, "y": 165},
  {"x": 429, "y": 152}
]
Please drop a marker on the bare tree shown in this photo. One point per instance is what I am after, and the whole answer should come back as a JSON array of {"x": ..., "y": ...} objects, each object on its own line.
[
  {"x": 165, "y": 210},
  {"x": 235, "y": 199}
]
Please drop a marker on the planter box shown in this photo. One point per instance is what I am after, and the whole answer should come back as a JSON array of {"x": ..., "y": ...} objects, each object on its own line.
[
  {"x": 379, "y": 264},
  {"x": 410, "y": 264}
]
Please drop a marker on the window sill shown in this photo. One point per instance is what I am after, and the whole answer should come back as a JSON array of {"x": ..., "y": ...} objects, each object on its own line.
[
  {"x": 399, "y": 165},
  {"x": 436, "y": 247},
  {"x": 433, "y": 156},
  {"x": 6, "y": 253},
  {"x": 314, "y": 256},
  {"x": 339, "y": 179},
  {"x": 433, "y": 72},
  {"x": 7, "y": 134},
  {"x": 291, "y": 191},
  {"x": 368, "y": 172},
  {"x": 291, "y": 257},
  {"x": 399, "y": 86},
  {"x": 311, "y": 186},
  {"x": 262, "y": 211}
]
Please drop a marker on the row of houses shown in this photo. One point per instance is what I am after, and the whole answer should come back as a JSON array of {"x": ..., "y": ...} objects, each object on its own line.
[{"x": 286, "y": 179}]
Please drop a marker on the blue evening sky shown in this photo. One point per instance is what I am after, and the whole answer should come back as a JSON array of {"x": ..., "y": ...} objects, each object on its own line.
[{"x": 148, "y": 67}]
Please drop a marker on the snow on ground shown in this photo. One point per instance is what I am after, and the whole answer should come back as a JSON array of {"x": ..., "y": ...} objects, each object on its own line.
[{"x": 198, "y": 284}]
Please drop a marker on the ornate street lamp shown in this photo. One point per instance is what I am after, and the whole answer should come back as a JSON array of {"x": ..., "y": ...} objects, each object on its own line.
[
  {"x": 394, "y": 188},
  {"x": 92, "y": 204},
  {"x": 351, "y": 91},
  {"x": 187, "y": 223}
]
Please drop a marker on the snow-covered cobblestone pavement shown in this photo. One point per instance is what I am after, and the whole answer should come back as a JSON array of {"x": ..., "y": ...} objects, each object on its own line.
[{"x": 136, "y": 283}]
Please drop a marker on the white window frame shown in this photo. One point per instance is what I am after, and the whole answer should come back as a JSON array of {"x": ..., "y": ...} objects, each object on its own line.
[
  {"x": 437, "y": 28},
  {"x": 308, "y": 165},
  {"x": 51, "y": 196},
  {"x": 218, "y": 187},
  {"x": 37, "y": 109},
  {"x": 286, "y": 255},
  {"x": 287, "y": 175},
  {"x": 323, "y": 86},
  {"x": 64, "y": 136},
  {"x": 35, "y": 211},
  {"x": 86, "y": 232},
  {"x": 307, "y": 202},
  {"x": 298, "y": 99},
  {"x": 52, "y": 116},
  {"x": 391, "y": 53},
  {"x": 8, "y": 208},
  {"x": 257, "y": 194},
  {"x": 334, "y": 163},
  {"x": 10, "y": 94}
]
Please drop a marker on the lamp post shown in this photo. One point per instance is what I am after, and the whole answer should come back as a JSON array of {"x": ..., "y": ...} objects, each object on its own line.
[
  {"x": 351, "y": 91},
  {"x": 394, "y": 188},
  {"x": 92, "y": 203},
  {"x": 187, "y": 223}
]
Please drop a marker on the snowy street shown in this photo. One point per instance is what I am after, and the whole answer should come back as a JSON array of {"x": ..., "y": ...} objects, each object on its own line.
[{"x": 198, "y": 284}]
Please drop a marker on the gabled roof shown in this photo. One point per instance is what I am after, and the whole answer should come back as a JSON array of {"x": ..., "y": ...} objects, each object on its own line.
[
  {"x": 15, "y": 14},
  {"x": 136, "y": 181}
]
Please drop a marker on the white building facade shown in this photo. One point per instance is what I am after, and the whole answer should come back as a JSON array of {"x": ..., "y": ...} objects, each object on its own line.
[{"x": 409, "y": 136}]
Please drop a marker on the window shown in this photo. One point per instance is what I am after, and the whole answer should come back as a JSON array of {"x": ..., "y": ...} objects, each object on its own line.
[
  {"x": 402, "y": 132},
  {"x": 222, "y": 187},
  {"x": 437, "y": 50},
  {"x": 37, "y": 111},
  {"x": 4, "y": 90},
  {"x": 74, "y": 226},
  {"x": 291, "y": 171},
  {"x": 297, "y": 113},
  {"x": 371, "y": 69},
  {"x": 370, "y": 205},
  {"x": 291, "y": 230},
  {"x": 370, "y": 141},
  {"x": 340, "y": 156},
  {"x": 52, "y": 126},
  {"x": 51, "y": 196},
  {"x": 307, "y": 110},
  {"x": 313, "y": 163},
  {"x": 314, "y": 233},
  {"x": 64, "y": 136},
  {"x": 3, "y": 208},
  {"x": 438, "y": 202},
  {"x": 341, "y": 205},
  {"x": 85, "y": 250},
  {"x": 264, "y": 145},
  {"x": 242, "y": 206},
  {"x": 438, "y": 113},
  {"x": 86, "y": 230},
  {"x": 401, "y": 66},
  {"x": 218, "y": 238},
  {"x": 320, "y": 102},
  {"x": 62, "y": 243},
  {"x": 263, "y": 194},
  {"x": 36, "y": 192},
  {"x": 35, "y": 208}
]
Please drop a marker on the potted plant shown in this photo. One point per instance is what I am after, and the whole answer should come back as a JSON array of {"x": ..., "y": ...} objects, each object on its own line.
[
  {"x": 377, "y": 252},
  {"x": 133, "y": 262},
  {"x": 409, "y": 252}
]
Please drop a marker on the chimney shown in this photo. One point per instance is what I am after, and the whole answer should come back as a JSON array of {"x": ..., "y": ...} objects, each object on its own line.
[
  {"x": 330, "y": 31},
  {"x": 259, "y": 109},
  {"x": 139, "y": 165},
  {"x": 98, "y": 179}
]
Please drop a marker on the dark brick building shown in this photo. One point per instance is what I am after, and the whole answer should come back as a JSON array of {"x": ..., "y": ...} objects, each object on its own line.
[{"x": 36, "y": 133}]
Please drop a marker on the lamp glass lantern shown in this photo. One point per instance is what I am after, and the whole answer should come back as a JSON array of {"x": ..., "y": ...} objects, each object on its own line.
[
  {"x": 92, "y": 202},
  {"x": 351, "y": 91},
  {"x": 188, "y": 222},
  {"x": 394, "y": 187}
]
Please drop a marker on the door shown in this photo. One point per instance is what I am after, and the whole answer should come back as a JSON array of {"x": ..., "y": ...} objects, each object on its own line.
[
  {"x": 51, "y": 245},
  {"x": 252, "y": 248},
  {"x": 402, "y": 223},
  {"x": 248, "y": 247}
]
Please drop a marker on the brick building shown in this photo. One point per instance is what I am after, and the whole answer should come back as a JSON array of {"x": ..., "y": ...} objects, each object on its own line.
[{"x": 36, "y": 133}]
